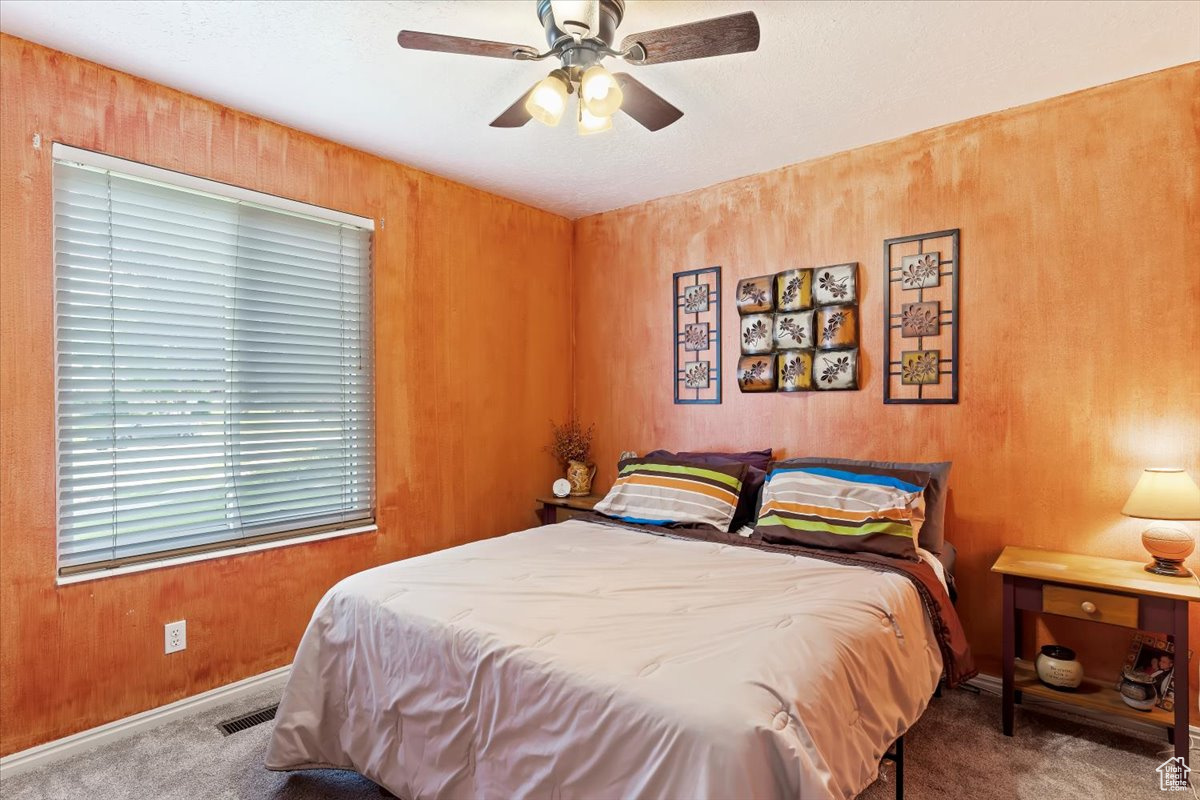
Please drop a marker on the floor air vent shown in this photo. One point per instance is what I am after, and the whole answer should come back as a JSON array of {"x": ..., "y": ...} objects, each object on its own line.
[{"x": 248, "y": 720}]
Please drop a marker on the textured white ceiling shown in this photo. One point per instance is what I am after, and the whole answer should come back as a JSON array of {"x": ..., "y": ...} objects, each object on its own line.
[{"x": 828, "y": 76}]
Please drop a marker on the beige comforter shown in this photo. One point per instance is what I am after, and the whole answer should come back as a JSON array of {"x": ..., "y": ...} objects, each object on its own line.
[{"x": 584, "y": 661}]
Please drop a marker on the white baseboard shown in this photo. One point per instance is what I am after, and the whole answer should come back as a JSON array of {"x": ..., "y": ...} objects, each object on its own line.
[
  {"x": 993, "y": 685},
  {"x": 119, "y": 729}
]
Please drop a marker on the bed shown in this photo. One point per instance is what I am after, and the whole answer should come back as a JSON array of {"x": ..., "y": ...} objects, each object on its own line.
[{"x": 586, "y": 660}]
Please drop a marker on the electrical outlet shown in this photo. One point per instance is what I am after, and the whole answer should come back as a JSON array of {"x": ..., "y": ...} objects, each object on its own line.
[{"x": 175, "y": 636}]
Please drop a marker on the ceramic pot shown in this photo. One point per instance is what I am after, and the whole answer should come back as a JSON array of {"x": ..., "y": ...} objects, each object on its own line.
[
  {"x": 1170, "y": 546},
  {"x": 580, "y": 475},
  {"x": 1137, "y": 690},
  {"x": 1058, "y": 669}
]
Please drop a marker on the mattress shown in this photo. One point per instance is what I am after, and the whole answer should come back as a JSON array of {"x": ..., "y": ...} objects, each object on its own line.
[{"x": 581, "y": 661}]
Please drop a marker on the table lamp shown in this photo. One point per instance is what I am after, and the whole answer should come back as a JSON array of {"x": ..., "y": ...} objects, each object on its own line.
[{"x": 1165, "y": 494}]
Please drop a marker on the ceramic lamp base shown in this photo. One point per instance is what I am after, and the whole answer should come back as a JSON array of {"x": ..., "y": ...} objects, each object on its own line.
[
  {"x": 1165, "y": 566},
  {"x": 1169, "y": 544}
]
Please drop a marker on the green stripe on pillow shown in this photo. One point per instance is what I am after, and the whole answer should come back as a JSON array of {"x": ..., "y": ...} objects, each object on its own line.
[
  {"x": 732, "y": 482},
  {"x": 888, "y": 528}
]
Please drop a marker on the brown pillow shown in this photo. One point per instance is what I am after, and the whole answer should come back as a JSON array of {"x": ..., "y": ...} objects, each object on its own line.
[
  {"x": 933, "y": 532},
  {"x": 755, "y": 458}
]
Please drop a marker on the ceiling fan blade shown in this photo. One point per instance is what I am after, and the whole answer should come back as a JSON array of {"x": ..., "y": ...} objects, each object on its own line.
[
  {"x": 645, "y": 105},
  {"x": 720, "y": 36},
  {"x": 416, "y": 40},
  {"x": 515, "y": 115}
]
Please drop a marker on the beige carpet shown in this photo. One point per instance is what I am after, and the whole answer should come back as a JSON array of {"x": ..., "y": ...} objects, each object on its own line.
[{"x": 956, "y": 752}]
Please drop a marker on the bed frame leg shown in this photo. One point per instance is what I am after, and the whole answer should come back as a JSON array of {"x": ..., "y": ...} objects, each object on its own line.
[{"x": 897, "y": 757}]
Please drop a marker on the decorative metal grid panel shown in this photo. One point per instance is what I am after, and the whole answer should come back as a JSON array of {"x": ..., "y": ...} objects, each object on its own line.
[
  {"x": 696, "y": 307},
  {"x": 920, "y": 325}
]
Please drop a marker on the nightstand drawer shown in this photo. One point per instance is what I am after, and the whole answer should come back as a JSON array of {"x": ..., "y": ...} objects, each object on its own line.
[{"x": 1090, "y": 604}]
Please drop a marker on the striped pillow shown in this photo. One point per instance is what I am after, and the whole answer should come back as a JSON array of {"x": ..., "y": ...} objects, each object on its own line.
[
  {"x": 845, "y": 508},
  {"x": 664, "y": 491}
]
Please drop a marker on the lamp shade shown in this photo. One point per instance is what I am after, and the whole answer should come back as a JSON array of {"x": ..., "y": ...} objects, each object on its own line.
[
  {"x": 599, "y": 92},
  {"x": 1163, "y": 493},
  {"x": 548, "y": 99},
  {"x": 590, "y": 123}
]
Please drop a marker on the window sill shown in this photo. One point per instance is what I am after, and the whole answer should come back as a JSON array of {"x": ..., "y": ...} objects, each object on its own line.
[{"x": 100, "y": 574}]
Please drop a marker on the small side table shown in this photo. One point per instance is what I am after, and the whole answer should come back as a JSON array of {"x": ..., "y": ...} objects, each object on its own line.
[
  {"x": 1099, "y": 590},
  {"x": 560, "y": 509}
]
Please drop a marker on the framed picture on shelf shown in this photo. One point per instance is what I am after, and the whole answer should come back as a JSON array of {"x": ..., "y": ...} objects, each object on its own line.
[{"x": 1154, "y": 655}]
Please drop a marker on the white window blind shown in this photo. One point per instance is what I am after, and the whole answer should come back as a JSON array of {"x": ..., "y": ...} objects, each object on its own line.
[{"x": 214, "y": 375}]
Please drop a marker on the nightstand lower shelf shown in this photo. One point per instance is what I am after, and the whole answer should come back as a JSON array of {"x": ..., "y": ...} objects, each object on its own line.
[{"x": 1092, "y": 694}]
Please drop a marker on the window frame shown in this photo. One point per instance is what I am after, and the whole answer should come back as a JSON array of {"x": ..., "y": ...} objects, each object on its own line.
[{"x": 186, "y": 182}]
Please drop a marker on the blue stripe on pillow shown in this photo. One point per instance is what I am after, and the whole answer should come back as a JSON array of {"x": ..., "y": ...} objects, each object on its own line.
[
  {"x": 854, "y": 477},
  {"x": 639, "y": 521}
]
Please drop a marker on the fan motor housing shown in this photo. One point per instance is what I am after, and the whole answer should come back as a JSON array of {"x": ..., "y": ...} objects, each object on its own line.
[{"x": 611, "y": 12}]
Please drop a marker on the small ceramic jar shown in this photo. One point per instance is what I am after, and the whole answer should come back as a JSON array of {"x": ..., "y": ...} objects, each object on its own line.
[
  {"x": 1058, "y": 669},
  {"x": 1137, "y": 690}
]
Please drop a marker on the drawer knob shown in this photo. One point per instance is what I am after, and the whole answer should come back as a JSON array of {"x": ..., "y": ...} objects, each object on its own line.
[{"x": 1088, "y": 607}]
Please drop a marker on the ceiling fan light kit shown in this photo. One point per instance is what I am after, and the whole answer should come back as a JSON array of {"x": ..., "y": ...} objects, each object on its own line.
[
  {"x": 580, "y": 33},
  {"x": 548, "y": 100},
  {"x": 590, "y": 123},
  {"x": 599, "y": 92}
]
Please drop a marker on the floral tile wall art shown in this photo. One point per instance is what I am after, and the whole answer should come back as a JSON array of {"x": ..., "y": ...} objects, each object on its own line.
[
  {"x": 695, "y": 336},
  {"x": 696, "y": 303},
  {"x": 835, "y": 284},
  {"x": 836, "y": 369},
  {"x": 697, "y": 375},
  {"x": 757, "y": 373},
  {"x": 793, "y": 287},
  {"x": 795, "y": 371},
  {"x": 756, "y": 295},
  {"x": 794, "y": 330},
  {"x": 837, "y": 327},
  {"x": 920, "y": 341},
  {"x": 758, "y": 334},
  {"x": 799, "y": 330}
]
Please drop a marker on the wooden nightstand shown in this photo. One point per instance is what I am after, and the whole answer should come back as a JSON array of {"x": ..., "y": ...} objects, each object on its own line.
[
  {"x": 1100, "y": 590},
  {"x": 560, "y": 509}
]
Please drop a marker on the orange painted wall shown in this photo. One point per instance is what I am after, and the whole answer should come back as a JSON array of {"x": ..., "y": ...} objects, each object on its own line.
[
  {"x": 472, "y": 299},
  {"x": 1080, "y": 319},
  {"x": 1081, "y": 353}
]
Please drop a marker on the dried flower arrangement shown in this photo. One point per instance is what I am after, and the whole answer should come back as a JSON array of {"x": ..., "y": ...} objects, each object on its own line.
[{"x": 570, "y": 441}]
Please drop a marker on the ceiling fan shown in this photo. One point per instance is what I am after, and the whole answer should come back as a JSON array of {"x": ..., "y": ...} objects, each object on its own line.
[{"x": 580, "y": 34}]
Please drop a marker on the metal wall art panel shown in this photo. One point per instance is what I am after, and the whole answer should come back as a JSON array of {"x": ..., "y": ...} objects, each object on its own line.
[
  {"x": 920, "y": 325},
  {"x": 799, "y": 330},
  {"x": 697, "y": 313}
]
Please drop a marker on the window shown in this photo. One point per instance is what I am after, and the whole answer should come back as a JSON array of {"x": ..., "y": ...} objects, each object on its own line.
[{"x": 214, "y": 375}]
